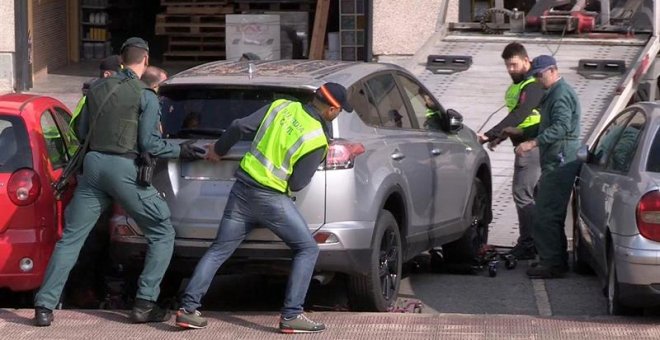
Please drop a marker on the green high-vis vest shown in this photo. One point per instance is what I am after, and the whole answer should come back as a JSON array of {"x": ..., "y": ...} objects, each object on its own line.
[
  {"x": 511, "y": 99},
  {"x": 286, "y": 134}
]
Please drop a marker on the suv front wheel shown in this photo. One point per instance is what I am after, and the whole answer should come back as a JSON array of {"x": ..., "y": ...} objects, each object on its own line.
[{"x": 378, "y": 290}]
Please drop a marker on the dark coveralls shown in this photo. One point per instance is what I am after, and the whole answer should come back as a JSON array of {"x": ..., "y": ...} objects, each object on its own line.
[
  {"x": 109, "y": 177},
  {"x": 558, "y": 142},
  {"x": 526, "y": 170}
]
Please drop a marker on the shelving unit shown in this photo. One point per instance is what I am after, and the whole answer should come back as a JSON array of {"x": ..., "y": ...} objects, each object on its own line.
[
  {"x": 352, "y": 26},
  {"x": 94, "y": 32}
]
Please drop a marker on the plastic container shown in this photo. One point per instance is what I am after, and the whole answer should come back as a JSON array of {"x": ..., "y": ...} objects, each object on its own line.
[
  {"x": 99, "y": 50},
  {"x": 88, "y": 50}
]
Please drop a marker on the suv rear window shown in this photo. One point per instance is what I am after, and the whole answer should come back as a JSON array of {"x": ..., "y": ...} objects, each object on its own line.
[
  {"x": 14, "y": 145},
  {"x": 203, "y": 111},
  {"x": 653, "y": 164}
]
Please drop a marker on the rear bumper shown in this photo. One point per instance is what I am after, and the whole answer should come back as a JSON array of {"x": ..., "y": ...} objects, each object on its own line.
[
  {"x": 16, "y": 245},
  {"x": 350, "y": 255},
  {"x": 638, "y": 270}
]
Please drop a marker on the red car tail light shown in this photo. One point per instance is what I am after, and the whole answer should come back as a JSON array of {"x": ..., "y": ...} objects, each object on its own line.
[
  {"x": 341, "y": 154},
  {"x": 648, "y": 216},
  {"x": 24, "y": 187}
]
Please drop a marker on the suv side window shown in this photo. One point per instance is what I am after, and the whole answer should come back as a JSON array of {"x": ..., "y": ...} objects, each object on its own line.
[
  {"x": 367, "y": 112},
  {"x": 385, "y": 96},
  {"x": 425, "y": 108},
  {"x": 54, "y": 142},
  {"x": 609, "y": 137},
  {"x": 624, "y": 149}
]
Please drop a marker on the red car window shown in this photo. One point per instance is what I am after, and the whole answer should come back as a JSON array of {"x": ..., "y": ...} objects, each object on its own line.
[
  {"x": 15, "y": 145},
  {"x": 54, "y": 141}
]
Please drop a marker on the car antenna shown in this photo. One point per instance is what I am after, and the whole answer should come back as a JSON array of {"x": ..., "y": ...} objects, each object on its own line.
[{"x": 251, "y": 68}]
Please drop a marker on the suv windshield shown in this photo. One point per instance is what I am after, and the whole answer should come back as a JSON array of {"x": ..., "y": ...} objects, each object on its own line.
[
  {"x": 203, "y": 111},
  {"x": 14, "y": 145}
]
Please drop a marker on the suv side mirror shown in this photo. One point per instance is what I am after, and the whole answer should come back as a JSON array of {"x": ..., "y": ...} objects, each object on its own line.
[{"x": 455, "y": 120}]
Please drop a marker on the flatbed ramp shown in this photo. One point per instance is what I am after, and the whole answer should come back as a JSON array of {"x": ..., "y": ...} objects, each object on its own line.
[
  {"x": 479, "y": 91},
  {"x": 89, "y": 324}
]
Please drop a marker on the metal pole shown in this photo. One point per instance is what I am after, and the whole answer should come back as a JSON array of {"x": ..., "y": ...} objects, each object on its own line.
[
  {"x": 605, "y": 12},
  {"x": 22, "y": 63},
  {"x": 369, "y": 30}
]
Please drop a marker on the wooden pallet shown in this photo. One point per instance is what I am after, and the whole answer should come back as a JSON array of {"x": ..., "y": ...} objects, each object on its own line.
[
  {"x": 193, "y": 56},
  {"x": 193, "y": 2},
  {"x": 196, "y": 43},
  {"x": 195, "y": 9},
  {"x": 274, "y": 6},
  {"x": 189, "y": 24}
]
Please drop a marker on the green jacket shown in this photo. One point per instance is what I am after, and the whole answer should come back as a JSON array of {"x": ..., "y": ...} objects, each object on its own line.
[{"x": 559, "y": 131}]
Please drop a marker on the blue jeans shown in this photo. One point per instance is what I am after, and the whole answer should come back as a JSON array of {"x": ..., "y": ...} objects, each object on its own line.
[{"x": 247, "y": 208}]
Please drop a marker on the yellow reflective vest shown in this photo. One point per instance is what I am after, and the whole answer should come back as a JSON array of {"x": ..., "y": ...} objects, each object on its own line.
[
  {"x": 511, "y": 99},
  {"x": 286, "y": 134}
]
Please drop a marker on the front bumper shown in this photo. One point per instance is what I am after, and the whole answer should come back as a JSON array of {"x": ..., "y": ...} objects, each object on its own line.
[
  {"x": 638, "y": 270},
  {"x": 351, "y": 254}
]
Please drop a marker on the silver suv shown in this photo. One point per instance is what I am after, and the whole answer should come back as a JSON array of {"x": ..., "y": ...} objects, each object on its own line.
[{"x": 390, "y": 188}]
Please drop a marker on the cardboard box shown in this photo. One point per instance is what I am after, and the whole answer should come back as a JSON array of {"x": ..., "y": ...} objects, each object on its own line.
[{"x": 254, "y": 33}]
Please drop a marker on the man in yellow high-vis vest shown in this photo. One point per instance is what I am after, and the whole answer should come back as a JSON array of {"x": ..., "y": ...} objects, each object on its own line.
[
  {"x": 290, "y": 141},
  {"x": 522, "y": 99}
]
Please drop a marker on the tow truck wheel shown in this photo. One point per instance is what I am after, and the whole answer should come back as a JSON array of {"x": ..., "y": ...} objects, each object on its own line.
[{"x": 378, "y": 290}]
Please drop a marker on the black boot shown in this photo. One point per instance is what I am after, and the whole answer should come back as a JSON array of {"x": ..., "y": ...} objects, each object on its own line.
[
  {"x": 148, "y": 311},
  {"x": 42, "y": 316}
]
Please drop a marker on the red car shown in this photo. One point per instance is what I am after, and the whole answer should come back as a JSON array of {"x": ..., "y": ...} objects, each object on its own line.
[{"x": 35, "y": 145}]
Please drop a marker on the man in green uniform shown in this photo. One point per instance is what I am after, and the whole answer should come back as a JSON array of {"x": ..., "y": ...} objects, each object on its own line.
[
  {"x": 522, "y": 99},
  {"x": 290, "y": 139},
  {"x": 558, "y": 141},
  {"x": 108, "y": 68},
  {"x": 126, "y": 114}
]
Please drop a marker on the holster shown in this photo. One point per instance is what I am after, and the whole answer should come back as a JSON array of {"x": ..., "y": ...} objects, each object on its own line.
[{"x": 146, "y": 166}]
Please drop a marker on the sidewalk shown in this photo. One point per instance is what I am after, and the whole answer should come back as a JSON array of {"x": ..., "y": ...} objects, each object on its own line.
[{"x": 84, "y": 324}]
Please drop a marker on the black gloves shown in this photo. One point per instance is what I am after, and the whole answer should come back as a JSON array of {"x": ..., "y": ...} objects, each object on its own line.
[{"x": 188, "y": 151}]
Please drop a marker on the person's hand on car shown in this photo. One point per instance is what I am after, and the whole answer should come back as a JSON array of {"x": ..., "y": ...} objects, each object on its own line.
[
  {"x": 188, "y": 151},
  {"x": 210, "y": 153},
  {"x": 482, "y": 138}
]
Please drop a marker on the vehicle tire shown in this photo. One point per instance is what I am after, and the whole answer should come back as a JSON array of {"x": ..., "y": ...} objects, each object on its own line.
[
  {"x": 467, "y": 249},
  {"x": 580, "y": 255},
  {"x": 614, "y": 306},
  {"x": 378, "y": 290}
]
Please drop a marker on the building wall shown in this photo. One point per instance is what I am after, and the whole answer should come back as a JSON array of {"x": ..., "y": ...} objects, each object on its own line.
[
  {"x": 49, "y": 36},
  {"x": 7, "y": 46},
  {"x": 402, "y": 27}
]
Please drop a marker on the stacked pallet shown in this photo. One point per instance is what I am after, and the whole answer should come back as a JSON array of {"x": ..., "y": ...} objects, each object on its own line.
[
  {"x": 274, "y": 5},
  {"x": 195, "y": 29}
]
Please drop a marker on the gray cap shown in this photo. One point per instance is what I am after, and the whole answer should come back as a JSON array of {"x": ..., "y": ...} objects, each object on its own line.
[{"x": 135, "y": 42}]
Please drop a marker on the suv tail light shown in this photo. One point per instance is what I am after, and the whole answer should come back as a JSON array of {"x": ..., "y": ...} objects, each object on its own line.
[
  {"x": 24, "y": 187},
  {"x": 648, "y": 216},
  {"x": 341, "y": 154}
]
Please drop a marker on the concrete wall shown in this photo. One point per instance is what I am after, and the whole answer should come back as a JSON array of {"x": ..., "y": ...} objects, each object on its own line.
[
  {"x": 402, "y": 27},
  {"x": 7, "y": 46}
]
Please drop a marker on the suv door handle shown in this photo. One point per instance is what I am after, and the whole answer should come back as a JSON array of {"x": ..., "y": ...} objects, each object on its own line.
[
  {"x": 397, "y": 156},
  {"x": 436, "y": 151}
]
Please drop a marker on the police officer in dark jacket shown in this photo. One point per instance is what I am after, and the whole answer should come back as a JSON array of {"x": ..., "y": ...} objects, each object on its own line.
[{"x": 124, "y": 115}]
